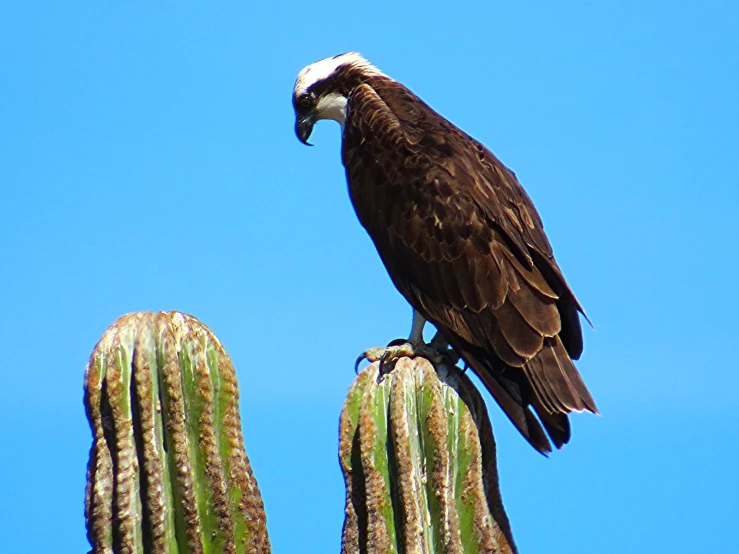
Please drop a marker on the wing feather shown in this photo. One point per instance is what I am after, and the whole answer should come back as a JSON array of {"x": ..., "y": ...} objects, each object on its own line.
[
  {"x": 539, "y": 311},
  {"x": 519, "y": 335}
]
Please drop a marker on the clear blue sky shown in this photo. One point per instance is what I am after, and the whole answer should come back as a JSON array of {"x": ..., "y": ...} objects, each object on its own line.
[{"x": 148, "y": 162}]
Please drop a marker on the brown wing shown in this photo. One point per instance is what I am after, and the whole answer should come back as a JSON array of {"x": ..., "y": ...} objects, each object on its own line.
[{"x": 464, "y": 244}]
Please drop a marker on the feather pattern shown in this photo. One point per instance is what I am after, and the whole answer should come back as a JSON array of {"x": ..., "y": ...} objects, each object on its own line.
[{"x": 464, "y": 244}]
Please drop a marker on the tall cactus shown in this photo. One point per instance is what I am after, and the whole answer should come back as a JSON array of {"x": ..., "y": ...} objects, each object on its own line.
[
  {"x": 167, "y": 471},
  {"x": 419, "y": 462}
]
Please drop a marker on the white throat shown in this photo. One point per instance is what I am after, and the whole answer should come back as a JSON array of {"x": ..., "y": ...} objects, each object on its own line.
[{"x": 332, "y": 106}]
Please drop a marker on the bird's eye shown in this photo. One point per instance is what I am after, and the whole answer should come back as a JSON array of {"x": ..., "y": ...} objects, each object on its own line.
[{"x": 305, "y": 102}]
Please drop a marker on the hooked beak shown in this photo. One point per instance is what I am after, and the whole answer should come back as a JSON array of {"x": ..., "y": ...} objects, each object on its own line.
[{"x": 304, "y": 127}]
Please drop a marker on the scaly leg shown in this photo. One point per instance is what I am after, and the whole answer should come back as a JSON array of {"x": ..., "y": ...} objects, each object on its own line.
[{"x": 437, "y": 351}]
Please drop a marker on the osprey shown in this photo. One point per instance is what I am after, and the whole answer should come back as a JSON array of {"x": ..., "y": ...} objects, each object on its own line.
[{"x": 461, "y": 240}]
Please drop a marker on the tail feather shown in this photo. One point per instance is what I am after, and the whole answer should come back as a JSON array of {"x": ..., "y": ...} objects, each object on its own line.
[
  {"x": 558, "y": 371},
  {"x": 557, "y": 425},
  {"x": 543, "y": 389},
  {"x": 511, "y": 397},
  {"x": 519, "y": 413},
  {"x": 538, "y": 396}
]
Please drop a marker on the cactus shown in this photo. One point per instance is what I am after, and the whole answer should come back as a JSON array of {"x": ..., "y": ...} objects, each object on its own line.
[
  {"x": 167, "y": 471},
  {"x": 419, "y": 462}
]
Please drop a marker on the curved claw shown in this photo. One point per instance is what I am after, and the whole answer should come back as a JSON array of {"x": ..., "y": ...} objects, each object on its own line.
[
  {"x": 371, "y": 355},
  {"x": 362, "y": 356}
]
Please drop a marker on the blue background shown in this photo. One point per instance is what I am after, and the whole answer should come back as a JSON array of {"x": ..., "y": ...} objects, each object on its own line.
[{"x": 148, "y": 162}]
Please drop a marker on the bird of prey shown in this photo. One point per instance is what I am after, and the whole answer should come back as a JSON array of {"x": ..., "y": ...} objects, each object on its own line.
[{"x": 461, "y": 240}]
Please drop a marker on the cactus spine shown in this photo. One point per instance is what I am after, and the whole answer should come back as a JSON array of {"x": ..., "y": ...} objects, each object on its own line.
[
  {"x": 167, "y": 471},
  {"x": 419, "y": 462}
]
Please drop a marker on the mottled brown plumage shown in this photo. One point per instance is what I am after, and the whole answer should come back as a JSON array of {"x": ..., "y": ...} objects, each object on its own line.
[{"x": 465, "y": 246}]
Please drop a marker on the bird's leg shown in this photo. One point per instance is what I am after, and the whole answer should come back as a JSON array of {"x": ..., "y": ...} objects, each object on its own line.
[{"x": 437, "y": 351}]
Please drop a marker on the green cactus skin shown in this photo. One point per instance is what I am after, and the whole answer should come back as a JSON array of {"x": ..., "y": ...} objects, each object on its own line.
[
  {"x": 168, "y": 473},
  {"x": 419, "y": 463}
]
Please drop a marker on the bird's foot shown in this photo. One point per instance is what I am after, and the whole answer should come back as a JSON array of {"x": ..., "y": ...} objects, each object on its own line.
[{"x": 436, "y": 353}]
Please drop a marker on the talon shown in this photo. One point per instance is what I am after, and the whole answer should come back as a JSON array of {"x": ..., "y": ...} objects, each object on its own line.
[
  {"x": 437, "y": 352},
  {"x": 371, "y": 355},
  {"x": 362, "y": 356}
]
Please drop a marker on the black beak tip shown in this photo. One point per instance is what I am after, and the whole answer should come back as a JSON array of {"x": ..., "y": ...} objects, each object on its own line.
[{"x": 303, "y": 129}]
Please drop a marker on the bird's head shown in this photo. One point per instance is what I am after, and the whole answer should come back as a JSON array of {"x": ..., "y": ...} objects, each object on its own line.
[{"x": 323, "y": 88}]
